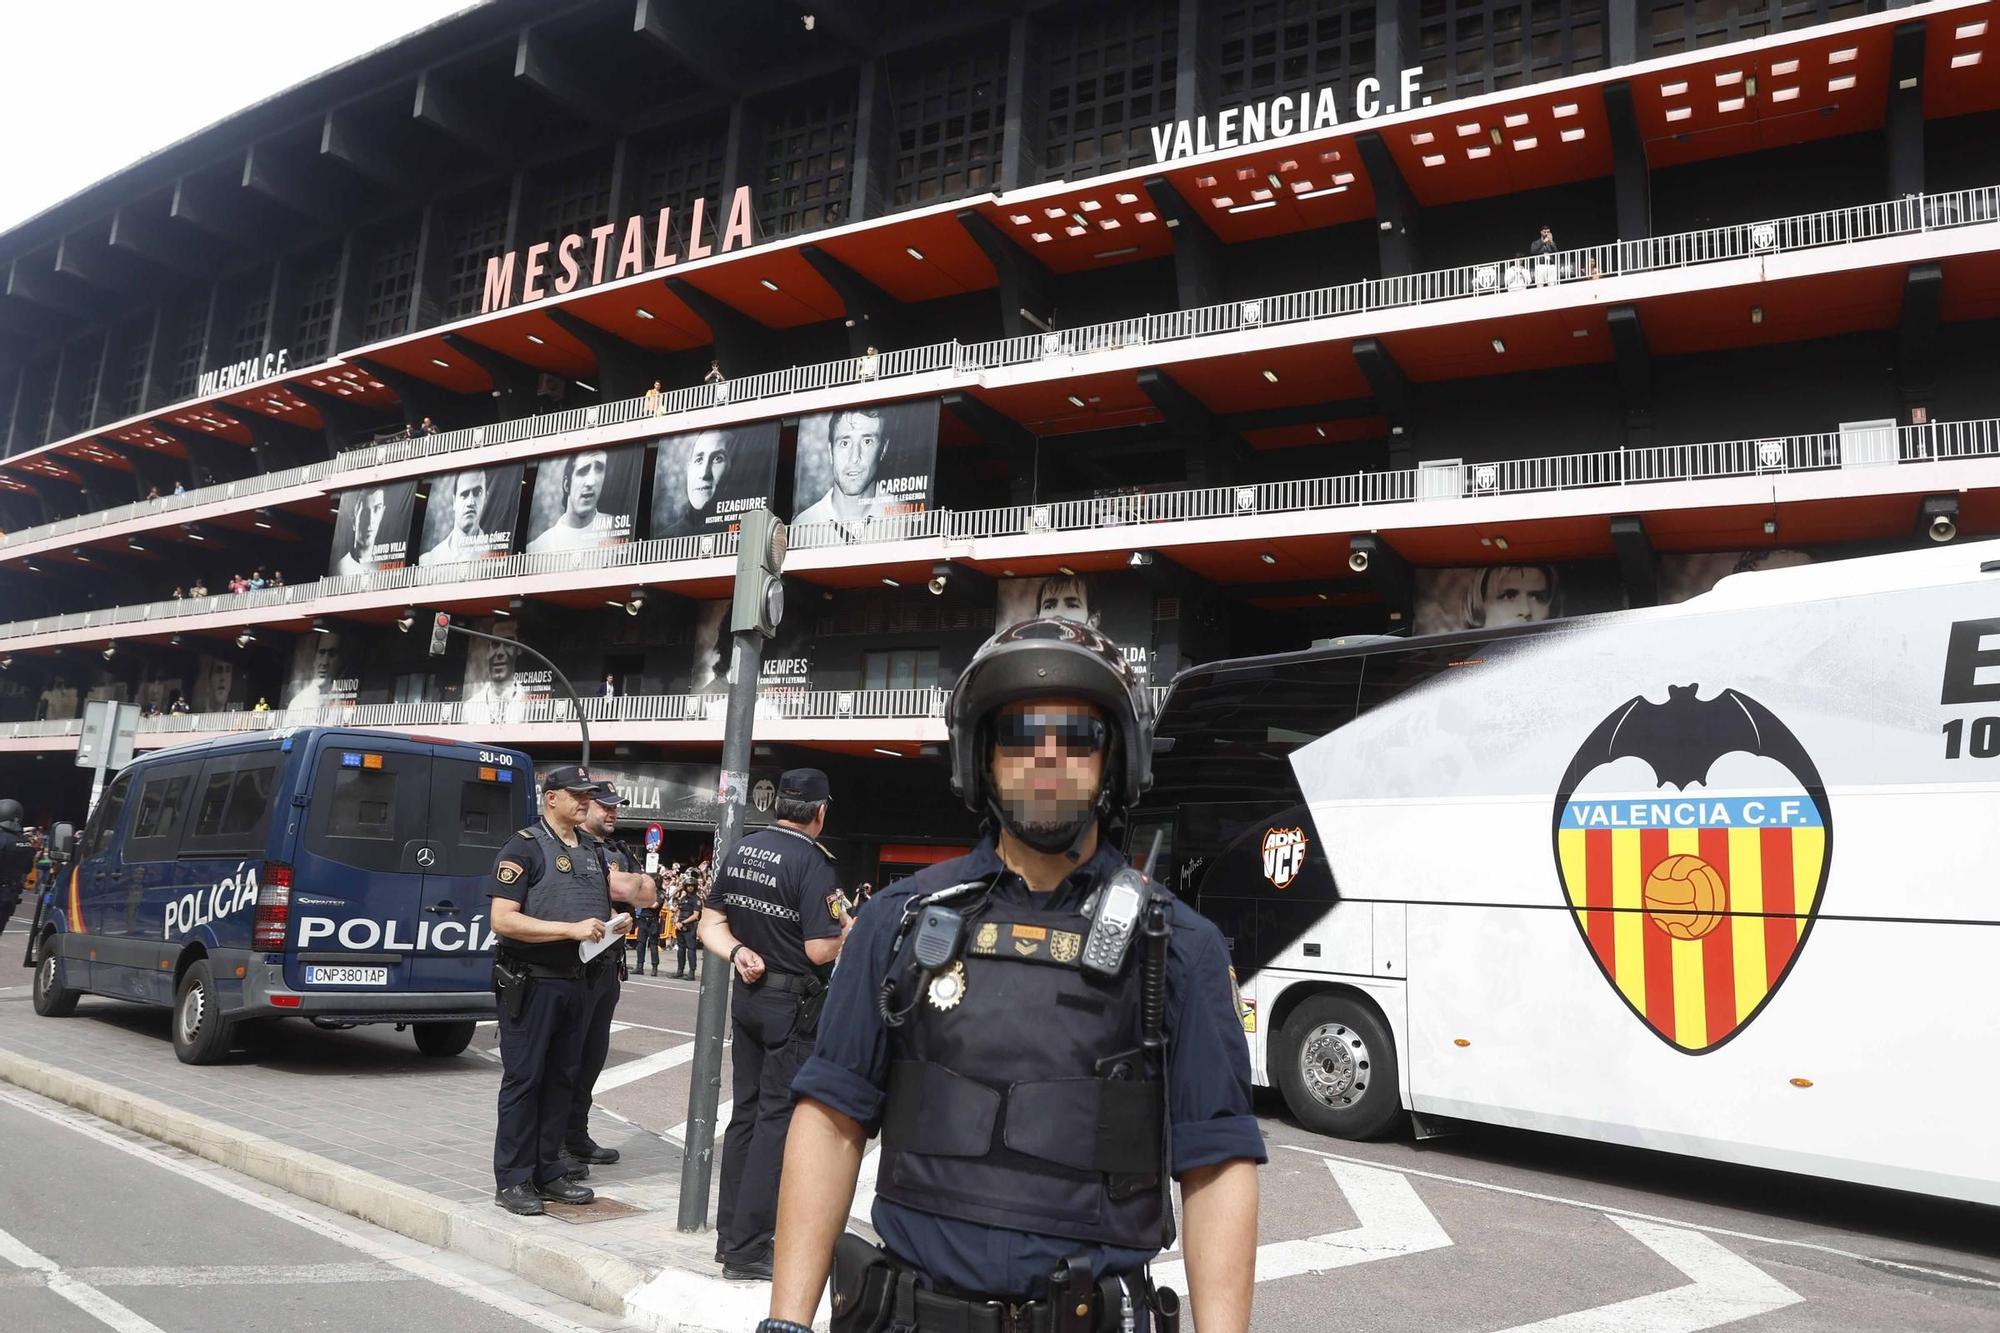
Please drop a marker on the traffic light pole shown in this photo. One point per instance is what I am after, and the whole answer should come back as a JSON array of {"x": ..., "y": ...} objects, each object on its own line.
[
  {"x": 712, "y": 1011},
  {"x": 555, "y": 673}
]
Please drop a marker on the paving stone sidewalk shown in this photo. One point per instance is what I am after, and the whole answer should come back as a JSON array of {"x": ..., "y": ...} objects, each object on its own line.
[{"x": 364, "y": 1098}]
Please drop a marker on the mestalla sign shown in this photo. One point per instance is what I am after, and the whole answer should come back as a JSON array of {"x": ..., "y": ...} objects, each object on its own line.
[
  {"x": 1307, "y": 111},
  {"x": 639, "y": 244}
]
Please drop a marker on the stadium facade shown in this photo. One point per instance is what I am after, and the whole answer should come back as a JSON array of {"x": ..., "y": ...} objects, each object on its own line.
[{"x": 1229, "y": 324}]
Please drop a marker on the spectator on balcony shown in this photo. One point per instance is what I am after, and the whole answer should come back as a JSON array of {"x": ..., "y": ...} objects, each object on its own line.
[
  {"x": 256, "y": 580},
  {"x": 277, "y": 578},
  {"x": 718, "y": 382},
  {"x": 1542, "y": 253},
  {"x": 179, "y": 489},
  {"x": 263, "y": 705},
  {"x": 179, "y": 594},
  {"x": 179, "y": 705},
  {"x": 656, "y": 401},
  {"x": 152, "y": 492},
  {"x": 610, "y": 687},
  {"x": 199, "y": 588},
  {"x": 238, "y": 584},
  {"x": 427, "y": 427},
  {"x": 869, "y": 365}
]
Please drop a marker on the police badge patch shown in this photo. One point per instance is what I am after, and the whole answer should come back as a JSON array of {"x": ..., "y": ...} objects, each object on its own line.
[
  {"x": 562, "y": 863},
  {"x": 1064, "y": 945},
  {"x": 988, "y": 939},
  {"x": 948, "y": 988},
  {"x": 507, "y": 872}
]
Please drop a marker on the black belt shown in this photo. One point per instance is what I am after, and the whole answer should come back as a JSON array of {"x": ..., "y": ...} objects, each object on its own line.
[
  {"x": 938, "y": 1312},
  {"x": 792, "y": 983},
  {"x": 578, "y": 971}
]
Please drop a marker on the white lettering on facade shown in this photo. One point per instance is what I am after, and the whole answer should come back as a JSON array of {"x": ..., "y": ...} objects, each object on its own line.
[
  {"x": 242, "y": 374},
  {"x": 1306, "y": 112},
  {"x": 500, "y": 290}
]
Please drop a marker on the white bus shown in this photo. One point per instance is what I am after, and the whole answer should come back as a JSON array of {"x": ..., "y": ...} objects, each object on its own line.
[{"x": 1720, "y": 878}]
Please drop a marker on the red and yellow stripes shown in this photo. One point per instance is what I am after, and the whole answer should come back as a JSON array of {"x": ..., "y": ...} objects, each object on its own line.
[{"x": 1694, "y": 992}]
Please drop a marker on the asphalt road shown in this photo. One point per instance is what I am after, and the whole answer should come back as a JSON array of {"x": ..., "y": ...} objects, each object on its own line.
[
  {"x": 1508, "y": 1230},
  {"x": 1482, "y": 1231},
  {"x": 102, "y": 1229}
]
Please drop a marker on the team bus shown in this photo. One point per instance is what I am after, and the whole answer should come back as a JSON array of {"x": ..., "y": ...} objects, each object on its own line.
[
  {"x": 1720, "y": 878},
  {"x": 325, "y": 873}
]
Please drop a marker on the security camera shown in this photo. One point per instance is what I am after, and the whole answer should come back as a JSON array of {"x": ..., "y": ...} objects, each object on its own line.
[{"x": 1358, "y": 561}]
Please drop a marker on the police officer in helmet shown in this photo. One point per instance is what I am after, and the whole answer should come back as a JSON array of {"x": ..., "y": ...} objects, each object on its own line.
[
  {"x": 17, "y": 858},
  {"x": 1042, "y": 1037},
  {"x": 551, "y": 890}
]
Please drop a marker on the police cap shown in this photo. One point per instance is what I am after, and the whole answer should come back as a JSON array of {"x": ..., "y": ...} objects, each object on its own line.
[
  {"x": 807, "y": 785},
  {"x": 605, "y": 794},
  {"x": 569, "y": 778}
]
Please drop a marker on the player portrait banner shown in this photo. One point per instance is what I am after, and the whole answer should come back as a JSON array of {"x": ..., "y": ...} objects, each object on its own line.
[
  {"x": 1490, "y": 596},
  {"x": 1117, "y": 604},
  {"x": 585, "y": 501},
  {"x": 320, "y": 676},
  {"x": 372, "y": 529},
  {"x": 705, "y": 479},
  {"x": 496, "y": 689},
  {"x": 861, "y": 468},
  {"x": 1689, "y": 575},
  {"x": 470, "y": 515}
]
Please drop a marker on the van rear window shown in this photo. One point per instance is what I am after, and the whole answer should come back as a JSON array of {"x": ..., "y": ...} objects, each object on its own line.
[
  {"x": 472, "y": 816},
  {"x": 363, "y": 805}
]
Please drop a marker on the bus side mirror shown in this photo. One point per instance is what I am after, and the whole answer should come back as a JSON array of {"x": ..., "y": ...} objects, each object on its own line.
[{"x": 62, "y": 840}]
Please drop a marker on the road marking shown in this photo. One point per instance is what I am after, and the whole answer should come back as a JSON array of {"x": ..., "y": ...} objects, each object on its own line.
[
  {"x": 1725, "y": 1287},
  {"x": 1614, "y": 1212},
  {"x": 77, "y": 1292},
  {"x": 368, "y": 1245},
  {"x": 217, "y": 1275},
  {"x": 1394, "y": 1222},
  {"x": 678, "y": 1134},
  {"x": 864, "y": 1186},
  {"x": 659, "y": 1062}
]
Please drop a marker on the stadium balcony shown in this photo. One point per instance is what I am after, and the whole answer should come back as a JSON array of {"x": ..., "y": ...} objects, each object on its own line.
[
  {"x": 1864, "y": 484},
  {"x": 1832, "y": 271}
]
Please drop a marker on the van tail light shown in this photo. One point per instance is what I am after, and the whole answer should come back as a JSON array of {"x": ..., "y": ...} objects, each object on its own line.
[{"x": 274, "y": 908}]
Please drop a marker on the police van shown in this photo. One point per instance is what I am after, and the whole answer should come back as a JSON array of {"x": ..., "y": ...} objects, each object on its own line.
[
  {"x": 1715, "y": 878},
  {"x": 325, "y": 873}
]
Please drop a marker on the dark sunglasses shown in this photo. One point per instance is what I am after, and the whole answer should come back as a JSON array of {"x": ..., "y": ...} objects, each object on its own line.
[{"x": 1074, "y": 733}]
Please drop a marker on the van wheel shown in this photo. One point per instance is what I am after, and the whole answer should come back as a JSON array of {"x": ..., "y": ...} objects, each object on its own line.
[
  {"x": 1337, "y": 1068},
  {"x": 200, "y": 1034},
  {"x": 443, "y": 1039},
  {"x": 52, "y": 998}
]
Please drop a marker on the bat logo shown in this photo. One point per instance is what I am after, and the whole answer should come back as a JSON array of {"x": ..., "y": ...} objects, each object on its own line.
[{"x": 1693, "y": 839}]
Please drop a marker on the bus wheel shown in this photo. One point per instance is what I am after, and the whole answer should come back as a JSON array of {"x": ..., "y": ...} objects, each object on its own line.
[
  {"x": 200, "y": 1035},
  {"x": 1337, "y": 1068},
  {"x": 443, "y": 1039},
  {"x": 52, "y": 998}
]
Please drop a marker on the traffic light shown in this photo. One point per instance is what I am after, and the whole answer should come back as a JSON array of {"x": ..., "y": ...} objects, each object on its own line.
[
  {"x": 440, "y": 631},
  {"x": 759, "y": 603}
]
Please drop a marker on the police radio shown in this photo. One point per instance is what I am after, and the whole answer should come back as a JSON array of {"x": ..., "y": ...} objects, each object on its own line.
[{"x": 1115, "y": 917}]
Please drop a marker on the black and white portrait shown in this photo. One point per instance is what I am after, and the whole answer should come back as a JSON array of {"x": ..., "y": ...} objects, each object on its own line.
[
  {"x": 584, "y": 501},
  {"x": 372, "y": 529},
  {"x": 861, "y": 466},
  {"x": 470, "y": 515},
  {"x": 704, "y": 480},
  {"x": 317, "y": 681}
]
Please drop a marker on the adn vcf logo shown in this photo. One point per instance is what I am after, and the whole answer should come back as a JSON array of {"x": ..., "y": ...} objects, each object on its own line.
[
  {"x": 1693, "y": 838},
  {"x": 1284, "y": 855}
]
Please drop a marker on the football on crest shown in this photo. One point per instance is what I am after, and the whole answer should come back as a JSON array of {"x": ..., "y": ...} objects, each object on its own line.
[{"x": 1685, "y": 897}]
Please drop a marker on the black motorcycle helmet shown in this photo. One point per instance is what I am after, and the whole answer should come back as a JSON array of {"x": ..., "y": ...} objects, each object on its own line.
[
  {"x": 1047, "y": 658},
  {"x": 10, "y": 816}
]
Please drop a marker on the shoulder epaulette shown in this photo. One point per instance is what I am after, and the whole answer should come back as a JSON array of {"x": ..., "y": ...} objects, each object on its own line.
[{"x": 527, "y": 832}]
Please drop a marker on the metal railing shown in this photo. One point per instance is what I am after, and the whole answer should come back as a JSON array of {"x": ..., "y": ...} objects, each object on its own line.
[
  {"x": 222, "y": 491},
  {"x": 1943, "y": 441},
  {"x": 1910, "y": 215},
  {"x": 773, "y": 704}
]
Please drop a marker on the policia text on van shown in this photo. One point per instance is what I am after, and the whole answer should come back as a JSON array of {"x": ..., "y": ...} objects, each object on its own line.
[{"x": 327, "y": 873}]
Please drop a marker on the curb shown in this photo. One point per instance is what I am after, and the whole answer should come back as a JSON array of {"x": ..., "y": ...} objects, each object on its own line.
[{"x": 665, "y": 1300}]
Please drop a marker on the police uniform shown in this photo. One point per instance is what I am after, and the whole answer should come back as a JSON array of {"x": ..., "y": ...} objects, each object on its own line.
[
  {"x": 17, "y": 858},
  {"x": 602, "y": 1000},
  {"x": 1032, "y": 1110},
  {"x": 772, "y": 887},
  {"x": 542, "y": 1034}
]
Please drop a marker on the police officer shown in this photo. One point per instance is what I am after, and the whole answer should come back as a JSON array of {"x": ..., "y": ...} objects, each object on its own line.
[
  {"x": 17, "y": 858},
  {"x": 767, "y": 915},
  {"x": 552, "y": 890},
  {"x": 1072, "y": 1034},
  {"x": 601, "y": 823},
  {"x": 687, "y": 920}
]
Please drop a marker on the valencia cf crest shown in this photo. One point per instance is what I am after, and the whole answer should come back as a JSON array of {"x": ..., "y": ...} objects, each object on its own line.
[
  {"x": 1284, "y": 855},
  {"x": 1693, "y": 839}
]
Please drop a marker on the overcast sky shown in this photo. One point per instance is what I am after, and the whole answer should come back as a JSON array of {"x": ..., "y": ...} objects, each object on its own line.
[{"x": 90, "y": 86}]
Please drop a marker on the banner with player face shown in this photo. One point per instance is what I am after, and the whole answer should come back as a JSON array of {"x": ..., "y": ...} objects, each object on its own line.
[
  {"x": 319, "y": 676},
  {"x": 1118, "y": 605},
  {"x": 585, "y": 501},
  {"x": 496, "y": 689},
  {"x": 703, "y": 480},
  {"x": 862, "y": 466},
  {"x": 1689, "y": 575},
  {"x": 372, "y": 530},
  {"x": 1491, "y": 596},
  {"x": 470, "y": 515}
]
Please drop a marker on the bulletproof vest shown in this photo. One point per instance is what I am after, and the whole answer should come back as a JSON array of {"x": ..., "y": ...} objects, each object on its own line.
[
  {"x": 573, "y": 885},
  {"x": 1019, "y": 1094},
  {"x": 17, "y": 858}
]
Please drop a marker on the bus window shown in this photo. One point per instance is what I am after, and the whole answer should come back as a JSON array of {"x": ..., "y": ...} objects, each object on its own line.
[
  {"x": 1227, "y": 734},
  {"x": 1388, "y": 675}
]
